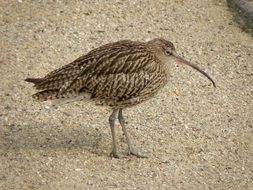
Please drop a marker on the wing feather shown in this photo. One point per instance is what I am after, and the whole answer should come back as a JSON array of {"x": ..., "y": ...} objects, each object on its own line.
[{"x": 117, "y": 70}]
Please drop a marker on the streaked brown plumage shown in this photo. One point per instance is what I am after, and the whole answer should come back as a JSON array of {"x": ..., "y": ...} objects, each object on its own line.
[{"x": 119, "y": 75}]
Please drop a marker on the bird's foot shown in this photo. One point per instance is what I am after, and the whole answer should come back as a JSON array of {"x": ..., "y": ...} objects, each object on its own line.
[
  {"x": 115, "y": 154},
  {"x": 133, "y": 152}
]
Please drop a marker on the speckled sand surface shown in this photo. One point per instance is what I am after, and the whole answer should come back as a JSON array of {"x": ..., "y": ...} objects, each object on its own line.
[{"x": 195, "y": 136}]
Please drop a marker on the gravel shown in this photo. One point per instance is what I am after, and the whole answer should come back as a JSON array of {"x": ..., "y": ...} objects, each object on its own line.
[{"x": 195, "y": 136}]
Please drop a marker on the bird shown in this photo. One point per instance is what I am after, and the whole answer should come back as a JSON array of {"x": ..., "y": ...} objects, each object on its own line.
[{"x": 118, "y": 75}]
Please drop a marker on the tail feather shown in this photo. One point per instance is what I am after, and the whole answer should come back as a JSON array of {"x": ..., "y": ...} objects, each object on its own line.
[
  {"x": 34, "y": 80},
  {"x": 52, "y": 92},
  {"x": 47, "y": 95},
  {"x": 55, "y": 94}
]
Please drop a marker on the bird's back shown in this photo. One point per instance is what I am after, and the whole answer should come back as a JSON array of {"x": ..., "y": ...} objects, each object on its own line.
[{"x": 118, "y": 74}]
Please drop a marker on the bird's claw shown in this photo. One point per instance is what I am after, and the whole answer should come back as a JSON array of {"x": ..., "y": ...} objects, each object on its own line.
[
  {"x": 135, "y": 153},
  {"x": 115, "y": 154}
]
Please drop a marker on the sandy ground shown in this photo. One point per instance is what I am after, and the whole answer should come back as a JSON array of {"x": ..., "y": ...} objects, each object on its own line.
[{"x": 195, "y": 136}]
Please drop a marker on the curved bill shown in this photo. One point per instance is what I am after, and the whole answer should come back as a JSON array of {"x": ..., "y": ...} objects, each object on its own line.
[{"x": 181, "y": 60}]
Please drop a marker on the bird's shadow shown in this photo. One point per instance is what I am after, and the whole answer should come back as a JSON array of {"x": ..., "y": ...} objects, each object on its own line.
[{"x": 41, "y": 137}]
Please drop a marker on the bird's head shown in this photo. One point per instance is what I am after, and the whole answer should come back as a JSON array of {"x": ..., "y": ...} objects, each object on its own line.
[{"x": 165, "y": 50}]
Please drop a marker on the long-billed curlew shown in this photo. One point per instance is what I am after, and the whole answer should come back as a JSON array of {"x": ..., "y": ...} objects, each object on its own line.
[{"x": 119, "y": 75}]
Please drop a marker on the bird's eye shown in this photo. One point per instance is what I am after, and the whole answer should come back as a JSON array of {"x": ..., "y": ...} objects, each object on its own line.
[{"x": 168, "y": 52}]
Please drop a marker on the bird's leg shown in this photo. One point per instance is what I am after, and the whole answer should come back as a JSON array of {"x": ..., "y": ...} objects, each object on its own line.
[
  {"x": 131, "y": 150},
  {"x": 112, "y": 120}
]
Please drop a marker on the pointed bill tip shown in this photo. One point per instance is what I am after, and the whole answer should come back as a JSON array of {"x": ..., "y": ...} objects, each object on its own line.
[{"x": 214, "y": 85}]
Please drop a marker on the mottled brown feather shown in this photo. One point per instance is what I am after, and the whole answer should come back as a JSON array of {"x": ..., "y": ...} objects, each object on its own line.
[{"x": 115, "y": 74}]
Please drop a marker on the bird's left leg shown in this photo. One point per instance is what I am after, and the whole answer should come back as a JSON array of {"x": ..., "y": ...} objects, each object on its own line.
[
  {"x": 112, "y": 120},
  {"x": 131, "y": 150}
]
